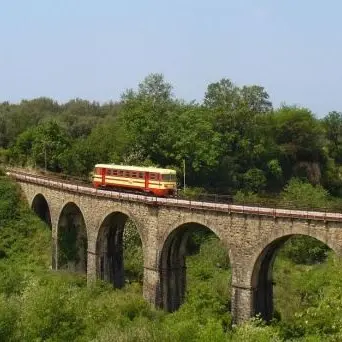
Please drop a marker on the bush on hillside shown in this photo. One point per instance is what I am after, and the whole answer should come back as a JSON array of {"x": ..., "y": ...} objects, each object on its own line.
[{"x": 304, "y": 195}]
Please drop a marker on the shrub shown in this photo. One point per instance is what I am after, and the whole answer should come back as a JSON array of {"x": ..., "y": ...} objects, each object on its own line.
[
  {"x": 256, "y": 331},
  {"x": 49, "y": 312},
  {"x": 303, "y": 194},
  {"x": 191, "y": 193},
  {"x": 248, "y": 197},
  {"x": 254, "y": 180},
  {"x": 9, "y": 200},
  {"x": 9, "y": 312}
]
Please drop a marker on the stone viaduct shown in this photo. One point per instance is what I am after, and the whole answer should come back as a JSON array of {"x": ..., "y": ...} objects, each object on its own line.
[{"x": 96, "y": 219}]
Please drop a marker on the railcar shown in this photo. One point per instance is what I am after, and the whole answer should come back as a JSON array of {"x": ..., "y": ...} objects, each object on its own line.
[{"x": 152, "y": 180}]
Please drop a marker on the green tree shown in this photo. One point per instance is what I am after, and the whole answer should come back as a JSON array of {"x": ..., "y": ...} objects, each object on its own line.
[
  {"x": 254, "y": 180},
  {"x": 42, "y": 145},
  {"x": 256, "y": 99},
  {"x": 299, "y": 137},
  {"x": 106, "y": 143},
  {"x": 332, "y": 177},
  {"x": 332, "y": 124},
  {"x": 241, "y": 117},
  {"x": 28, "y": 114},
  {"x": 191, "y": 137},
  {"x": 156, "y": 89},
  {"x": 221, "y": 95},
  {"x": 21, "y": 151},
  {"x": 147, "y": 114},
  {"x": 80, "y": 116}
]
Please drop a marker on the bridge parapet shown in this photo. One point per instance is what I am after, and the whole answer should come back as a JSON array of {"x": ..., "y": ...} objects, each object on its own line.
[{"x": 178, "y": 202}]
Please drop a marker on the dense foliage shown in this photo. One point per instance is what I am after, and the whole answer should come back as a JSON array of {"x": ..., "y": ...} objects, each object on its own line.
[{"x": 233, "y": 140}]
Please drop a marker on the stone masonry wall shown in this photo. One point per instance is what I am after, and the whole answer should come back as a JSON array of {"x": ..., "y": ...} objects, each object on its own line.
[{"x": 245, "y": 236}]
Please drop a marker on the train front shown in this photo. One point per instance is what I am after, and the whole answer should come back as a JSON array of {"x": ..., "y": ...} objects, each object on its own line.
[{"x": 169, "y": 183}]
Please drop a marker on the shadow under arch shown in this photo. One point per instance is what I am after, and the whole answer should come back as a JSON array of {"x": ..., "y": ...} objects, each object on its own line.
[
  {"x": 172, "y": 267},
  {"x": 72, "y": 240},
  {"x": 110, "y": 246},
  {"x": 262, "y": 275},
  {"x": 41, "y": 208}
]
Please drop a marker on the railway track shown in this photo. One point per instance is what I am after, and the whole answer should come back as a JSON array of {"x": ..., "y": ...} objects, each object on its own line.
[{"x": 82, "y": 187}]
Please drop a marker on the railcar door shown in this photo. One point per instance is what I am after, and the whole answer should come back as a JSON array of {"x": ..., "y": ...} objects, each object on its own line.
[
  {"x": 103, "y": 176},
  {"x": 147, "y": 178}
]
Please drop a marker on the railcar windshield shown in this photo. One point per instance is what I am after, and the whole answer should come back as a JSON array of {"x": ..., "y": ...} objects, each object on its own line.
[{"x": 169, "y": 178}]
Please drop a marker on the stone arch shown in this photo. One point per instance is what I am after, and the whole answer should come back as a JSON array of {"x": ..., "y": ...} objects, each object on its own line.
[
  {"x": 72, "y": 242},
  {"x": 198, "y": 221},
  {"x": 110, "y": 248},
  {"x": 262, "y": 271},
  {"x": 41, "y": 207},
  {"x": 186, "y": 220},
  {"x": 172, "y": 262},
  {"x": 128, "y": 214}
]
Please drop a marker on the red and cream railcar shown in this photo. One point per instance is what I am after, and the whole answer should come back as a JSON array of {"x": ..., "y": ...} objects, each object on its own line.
[{"x": 160, "y": 182}]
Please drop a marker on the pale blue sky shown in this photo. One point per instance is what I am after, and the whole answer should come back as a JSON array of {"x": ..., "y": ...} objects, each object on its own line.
[{"x": 96, "y": 49}]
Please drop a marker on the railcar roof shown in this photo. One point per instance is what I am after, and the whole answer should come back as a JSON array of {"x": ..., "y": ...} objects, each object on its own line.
[{"x": 136, "y": 168}]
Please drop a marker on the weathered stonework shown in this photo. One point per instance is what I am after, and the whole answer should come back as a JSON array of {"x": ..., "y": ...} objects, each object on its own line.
[{"x": 251, "y": 241}]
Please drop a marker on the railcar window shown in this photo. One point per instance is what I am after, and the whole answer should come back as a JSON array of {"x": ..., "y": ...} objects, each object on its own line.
[
  {"x": 108, "y": 172},
  {"x": 134, "y": 175},
  {"x": 153, "y": 176},
  {"x": 120, "y": 173},
  {"x": 169, "y": 178},
  {"x": 127, "y": 174},
  {"x": 115, "y": 172},
  {"x": 141, "y": 175}
]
